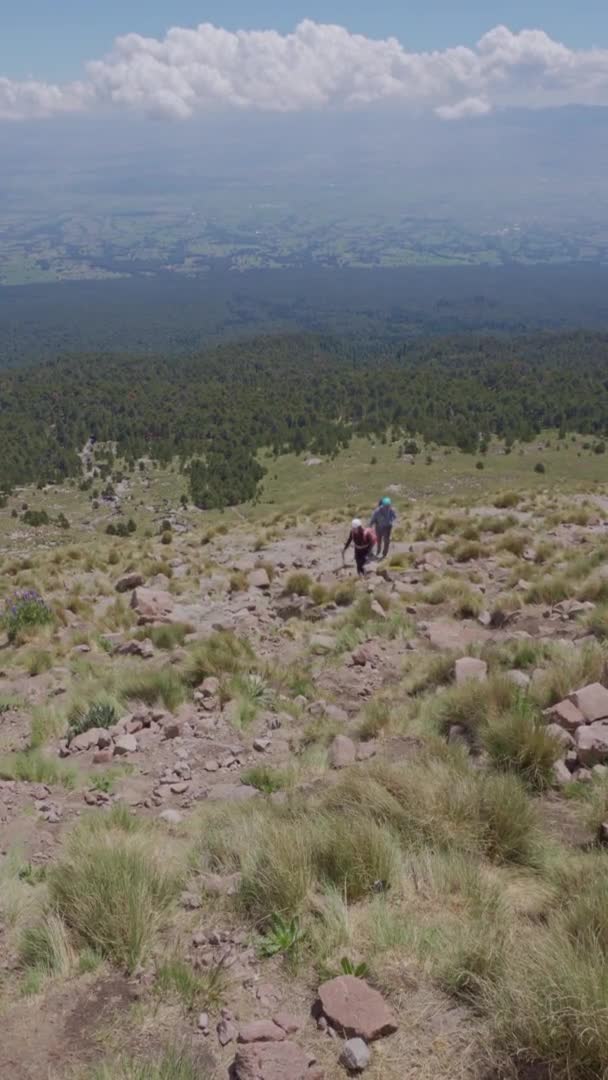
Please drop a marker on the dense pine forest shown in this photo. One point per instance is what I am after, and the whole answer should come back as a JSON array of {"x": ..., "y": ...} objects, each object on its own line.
[{"x": 214, "y": 411}]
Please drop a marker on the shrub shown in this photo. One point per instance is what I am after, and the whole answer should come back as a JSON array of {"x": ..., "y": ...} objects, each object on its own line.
[
  {"x": 549, "y": 1008},
  {"x": 376, "y": 718},
  {"x": 171, "y": 1064},
  {"x": 466, "y": 551},
  {"x": 166, "y": 537},
  {"x": 298, "y": 584},
  {"x": 597, "y": 622},
  {"x": 355, "y": 854},
  {"x": 152, "y": 687},
  {"x": 112, "y": 889},
  {"x": 35, "y": 518},
  {"x": 166, "y": 637},
  {"x": 38, "y": 661},
  {"x": 265, "y": 778},
  {"x": 47, "y": 947},
  {"x": 34, "y": 767},
  {"x": 514, "y": 543},
  {"x": 278, "y": 872},
  {"x": 472, "y": 703},
  {"x": 506, "y": 500},
  {"x": 570, "y": 669},
  {"x": 539, "y": 467},
  {"x": 23, "y": 611},
  {"x": 101, "y": 714},
  {"x": 223, "y": 653},
  {"x": 239, "y": 582},
  {"x": 518, "y": 741},
  {"x": 195, "y": 990}
]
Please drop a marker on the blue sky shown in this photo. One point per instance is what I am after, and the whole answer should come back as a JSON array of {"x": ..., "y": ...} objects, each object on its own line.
[{"x": 50, "y": 39}]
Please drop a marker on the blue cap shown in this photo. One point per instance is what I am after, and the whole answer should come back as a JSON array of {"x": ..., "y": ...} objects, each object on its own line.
[{"x": 386, "y": 501}]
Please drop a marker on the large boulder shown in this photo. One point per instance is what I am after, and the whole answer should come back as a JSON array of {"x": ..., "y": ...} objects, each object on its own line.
[
  {"x": 566, "y": 714},
  {"x": 468, "y": 667},
  {"x": 592, "y": 700},
  {"x": 355, "y": 1009},
  {"x": 592, "y": 743},
  {"x": 151, "y": 605},
  {"x": 273, "y": 1061}
]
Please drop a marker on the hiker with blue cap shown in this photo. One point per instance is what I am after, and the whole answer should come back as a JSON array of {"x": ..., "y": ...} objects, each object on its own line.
[{"x": 382, "y": 521}]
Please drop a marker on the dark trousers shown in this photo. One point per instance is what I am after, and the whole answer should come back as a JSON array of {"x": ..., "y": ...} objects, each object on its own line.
[
  {"x": 361, "y": 557},
  {"x": 384, "y": 540}
]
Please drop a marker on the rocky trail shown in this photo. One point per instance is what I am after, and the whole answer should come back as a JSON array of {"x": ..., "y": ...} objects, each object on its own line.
[{"x": 217, "y": 689}]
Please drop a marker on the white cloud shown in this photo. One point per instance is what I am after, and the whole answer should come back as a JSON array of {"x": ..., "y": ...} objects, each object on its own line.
[
  {"x": 29, "y": 99},
  {"x": 320, "y": 66},
  {"x": 471, "y": 106}
]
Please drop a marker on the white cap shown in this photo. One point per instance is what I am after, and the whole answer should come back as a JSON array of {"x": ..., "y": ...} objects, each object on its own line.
[{"x": 357, "y": 523}]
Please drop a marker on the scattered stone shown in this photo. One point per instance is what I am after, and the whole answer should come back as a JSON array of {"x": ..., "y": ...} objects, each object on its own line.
[
  {"x": 86, "y": 740},
  {"x": 602, "y": 833},
  {"x": 592, "y": 701},
  {"x": 377, "y": 610},
  {"x": 592, "y": 744},
  {"x": 190, "y": 901},
  {"x": 468, "y": 667},
  {"x": 226, "y": 1032},
  {"x": 172, "y": 817},
  {"x": 600, "y": 771},
  {"x": 458, "y": 735},
  {"x": 566, "y": 714},
  {"x": 354, "y": 1008},
  {"x": 583, "y": 776},
  {"x": 203, "y": 1023},
  {"x": 232, "y": 792},
  {"x": 342, "y": 752},
  {"x": 210, "y": 687},
  {"x": 261, "y": 1031},
  {"x": 519, "y": 678},
  {"x": 366, "y": 750},
  {"x": 561, "y": 735},
  {"x": 211, "y": 765},
  {"x": 261, "y": 745},
  {"x": 128, "y": 582},
  {"x": 143, "y": 649},
  {"x": 561, "y": 774},
  {"x": 355, "y": 1056},
  {"x": 125, "y": 744}
]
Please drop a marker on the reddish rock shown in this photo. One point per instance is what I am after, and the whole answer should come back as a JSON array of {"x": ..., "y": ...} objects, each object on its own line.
[
  {"x": 592, "y": 701},
  {"x": 272, "y": 1061},
  {"x": 88, "y": 739},
  {"x": 151, "y": 605},
  {"x": 289, "y": 1023},
  {"x": 103, "y": 757},
  {"x": 566, "y": 714},
  {"x": 126, "y": 744},
  {"x": 354, "y": 1008},
  {"x": 261, "y": 1031},
  {"x": 128, "y": 582}
]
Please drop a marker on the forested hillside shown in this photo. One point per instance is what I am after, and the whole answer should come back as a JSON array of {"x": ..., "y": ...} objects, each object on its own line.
[{"x": 221, "y": 407}]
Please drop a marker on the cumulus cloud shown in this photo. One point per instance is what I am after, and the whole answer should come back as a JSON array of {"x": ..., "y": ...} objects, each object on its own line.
[
  {"x": 31, "y": 99},
  {"x": 320, "y": 66}
]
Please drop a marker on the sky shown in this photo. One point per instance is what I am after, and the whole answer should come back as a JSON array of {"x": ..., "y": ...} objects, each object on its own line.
[
  {"x": 179, "y": 58},
  {"x": 51, "y": 39}
]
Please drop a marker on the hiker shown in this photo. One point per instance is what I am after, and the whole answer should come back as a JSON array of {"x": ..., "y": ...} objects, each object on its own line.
[
  {"x": 383, "y": 519},
  {"x": 363, "y": 541}
]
